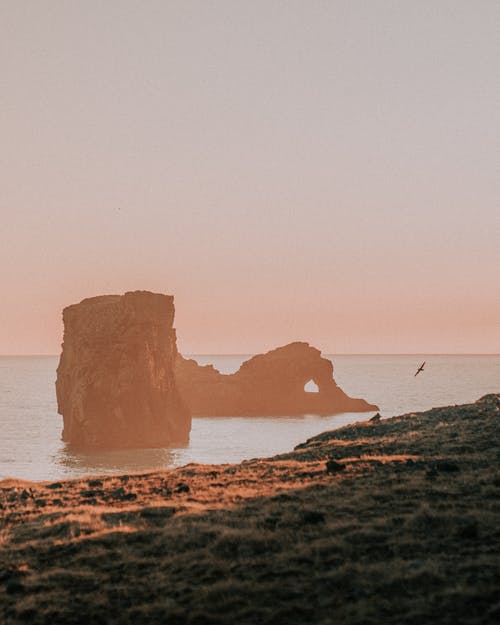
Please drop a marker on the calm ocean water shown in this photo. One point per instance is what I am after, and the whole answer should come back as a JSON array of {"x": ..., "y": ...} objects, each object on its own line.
[{"x": 30, "y": 428}]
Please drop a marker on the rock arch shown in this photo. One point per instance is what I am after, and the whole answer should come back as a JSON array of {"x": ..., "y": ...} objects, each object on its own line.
[{"x": 267, "y": 384}]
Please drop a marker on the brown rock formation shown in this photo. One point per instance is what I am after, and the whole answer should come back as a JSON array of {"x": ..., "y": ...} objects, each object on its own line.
[
  {"x": 115, "y": 381},
  {"x": 267, "y": 384}
]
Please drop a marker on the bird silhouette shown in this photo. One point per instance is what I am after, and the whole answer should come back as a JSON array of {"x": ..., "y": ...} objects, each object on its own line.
[{"x": 421, "y": 368}]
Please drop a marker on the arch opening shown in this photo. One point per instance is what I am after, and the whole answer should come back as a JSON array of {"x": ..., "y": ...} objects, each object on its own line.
[{"x": 311, "y": 387}]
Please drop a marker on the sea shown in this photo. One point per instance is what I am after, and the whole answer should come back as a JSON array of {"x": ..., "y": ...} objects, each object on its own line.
[{"x": 30, "y": 428}]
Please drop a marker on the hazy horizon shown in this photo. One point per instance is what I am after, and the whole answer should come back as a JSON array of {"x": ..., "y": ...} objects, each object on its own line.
[
  {"x": 325, "y": 354},
  {"x": 325, "y": 172}
]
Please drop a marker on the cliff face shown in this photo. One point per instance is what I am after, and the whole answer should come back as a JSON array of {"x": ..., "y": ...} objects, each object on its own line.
[
  {"x": 115, "y": 381},
  {"x": 267, "y": 384}
]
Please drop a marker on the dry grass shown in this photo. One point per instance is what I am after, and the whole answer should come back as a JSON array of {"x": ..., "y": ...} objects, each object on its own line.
[{"x": 404, "y": 528}]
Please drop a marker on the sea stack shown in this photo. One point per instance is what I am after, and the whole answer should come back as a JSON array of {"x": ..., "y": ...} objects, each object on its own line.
[
  {"x": 115, "y": 383},
  {"x": 271, "y": 384}
]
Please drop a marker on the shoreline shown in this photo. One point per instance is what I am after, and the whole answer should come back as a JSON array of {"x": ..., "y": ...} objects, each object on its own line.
[{"x": 394, "y": 520}]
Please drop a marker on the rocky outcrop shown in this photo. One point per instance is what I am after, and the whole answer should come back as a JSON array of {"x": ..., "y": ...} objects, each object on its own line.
[
  {"x": 267, "y": 384},
  {"x": 115, "y": 381}
]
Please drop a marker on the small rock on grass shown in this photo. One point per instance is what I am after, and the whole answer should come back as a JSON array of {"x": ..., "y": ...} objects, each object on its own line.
[{"x": 332, "y": 466}]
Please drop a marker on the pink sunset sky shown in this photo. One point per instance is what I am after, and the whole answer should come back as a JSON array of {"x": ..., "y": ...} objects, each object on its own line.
[{"x": 288, "y": 170}]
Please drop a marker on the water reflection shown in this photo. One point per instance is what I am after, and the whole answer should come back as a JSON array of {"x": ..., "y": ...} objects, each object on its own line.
[
  {"x": 214, "y": 440},
  {"x": 80, "y": 462}
]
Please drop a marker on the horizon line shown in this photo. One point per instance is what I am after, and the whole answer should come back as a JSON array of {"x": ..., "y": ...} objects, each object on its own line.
[{"x": 240, "y": 354}]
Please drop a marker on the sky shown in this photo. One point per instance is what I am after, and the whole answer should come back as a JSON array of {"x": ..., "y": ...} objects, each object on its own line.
[{"x": 288, "y": 170}]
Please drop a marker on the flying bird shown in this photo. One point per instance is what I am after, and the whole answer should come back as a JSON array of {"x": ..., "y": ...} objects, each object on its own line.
[{"x": 421, "y": 368}]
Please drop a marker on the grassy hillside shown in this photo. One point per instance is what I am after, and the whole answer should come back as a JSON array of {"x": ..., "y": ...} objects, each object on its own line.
[{"x": 396, "y": 521}]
